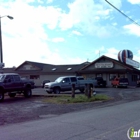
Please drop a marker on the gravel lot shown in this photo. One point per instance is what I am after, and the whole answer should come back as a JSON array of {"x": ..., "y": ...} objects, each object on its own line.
[{"x": 19, "y": 109}]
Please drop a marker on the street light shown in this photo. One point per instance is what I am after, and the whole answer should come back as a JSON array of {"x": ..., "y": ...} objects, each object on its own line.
[{"x": 1, "y": 54}]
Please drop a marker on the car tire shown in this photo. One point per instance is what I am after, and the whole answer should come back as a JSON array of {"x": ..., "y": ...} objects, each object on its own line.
[
  {"x": 49, "y": 92},
  {"x": 1, "y": 96},
  {"x": 56, "y": 90},
  {"x": 28, "y": 93}
]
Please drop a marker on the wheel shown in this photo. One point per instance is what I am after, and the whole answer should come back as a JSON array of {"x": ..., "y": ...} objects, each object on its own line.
[
  {"x": 1, "y": 96},
  {"x": 104, "y": 86},
  {"x": 49, "y": 92},
  {"x": 28, "y": 93},
  {"x": 12, "y": 94},
  {"x": 56, "y": 90}
]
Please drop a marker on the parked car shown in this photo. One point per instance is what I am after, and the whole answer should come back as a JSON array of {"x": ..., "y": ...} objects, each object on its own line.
[
  {"x": 65, "y": 84},
  {"x": 120, "y": 82},
  {"x": 13, "y": 84},
  {"x": 44, "y": 82},
  {"x": 100, "y": 82}
]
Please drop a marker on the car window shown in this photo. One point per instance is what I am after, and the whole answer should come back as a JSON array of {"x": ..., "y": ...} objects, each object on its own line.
[
  {"x": 2, "y": 77},
  {"x": 59, "y": 79},
  {"x": 9, "y": 77},
  {"x": 66, "y": 80},
  {"x": 73, "y": 79},
  {"x": 16, "y": 78}
]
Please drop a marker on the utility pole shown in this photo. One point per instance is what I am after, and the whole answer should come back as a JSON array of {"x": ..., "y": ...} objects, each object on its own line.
[{"x": 1, "y": 53}]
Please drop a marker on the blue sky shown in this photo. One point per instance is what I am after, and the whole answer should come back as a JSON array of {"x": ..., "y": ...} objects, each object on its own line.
[{"x": 68, "y": 31}]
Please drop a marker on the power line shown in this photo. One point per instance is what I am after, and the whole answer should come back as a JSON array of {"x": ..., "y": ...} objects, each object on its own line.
[{"x": 122, "y": 13}]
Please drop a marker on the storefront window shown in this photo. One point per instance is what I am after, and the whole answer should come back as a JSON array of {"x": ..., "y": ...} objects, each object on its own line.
[
  {"x": 98, "y": 75},
  {"x": 112, "y": 76},
  {"x": 121, "y": 75}
]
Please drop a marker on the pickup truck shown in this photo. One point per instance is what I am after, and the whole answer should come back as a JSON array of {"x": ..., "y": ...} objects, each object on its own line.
[
  {"x": 12, "y": 84},
  {"x": 100, "y": 82},
  {"x": 120, "y": 82},
  {"x": 65, "y": 84}
]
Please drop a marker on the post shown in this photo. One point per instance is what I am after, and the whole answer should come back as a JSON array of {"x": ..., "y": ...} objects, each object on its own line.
[
  {"x": 86, "y": 89},
  {"x": 1, "y": 53},
  {"x": 73, "y": 91},
  {"x": 1, "y": 56},
  {"x": 89, "y": 91}
]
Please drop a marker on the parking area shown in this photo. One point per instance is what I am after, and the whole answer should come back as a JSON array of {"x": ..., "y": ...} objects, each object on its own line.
[{"x": 19, "y": 109}]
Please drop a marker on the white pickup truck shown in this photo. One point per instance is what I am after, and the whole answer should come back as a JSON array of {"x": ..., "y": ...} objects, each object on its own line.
[{"x": 65, "y": 84}]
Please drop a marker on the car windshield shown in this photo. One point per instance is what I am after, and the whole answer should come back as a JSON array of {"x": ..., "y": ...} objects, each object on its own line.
[
  {"x": 59, "y": 79},
  {"x": 2, "y": 77}
]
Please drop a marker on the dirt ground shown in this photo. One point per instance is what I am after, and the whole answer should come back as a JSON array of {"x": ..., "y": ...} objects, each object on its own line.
[{"x": 20, "y": 109}]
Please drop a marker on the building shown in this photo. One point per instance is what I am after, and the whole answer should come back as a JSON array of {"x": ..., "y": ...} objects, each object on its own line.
[
  {"x": 40, "y": 71},
  {"x": 109, "y": 68},
  {"x": 104, "y": 66}
]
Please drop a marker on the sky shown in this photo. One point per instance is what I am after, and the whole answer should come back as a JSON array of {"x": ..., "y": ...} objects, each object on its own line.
[{"x": 68, "y": 31}]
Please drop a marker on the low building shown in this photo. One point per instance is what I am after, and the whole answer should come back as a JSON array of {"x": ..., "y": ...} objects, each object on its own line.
[
  {"x": 104, "y": 66},
  {"x": 40, "y": 71},
  {"x": 109, "y": 68}
]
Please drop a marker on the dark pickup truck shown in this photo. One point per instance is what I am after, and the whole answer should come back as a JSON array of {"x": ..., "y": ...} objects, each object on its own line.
[
  {"x": 12, "y": 84},
  {"x": 100, "y": 82}
]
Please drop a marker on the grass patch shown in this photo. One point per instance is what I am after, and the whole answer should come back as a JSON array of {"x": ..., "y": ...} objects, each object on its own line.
[{"x": 78, "y": 98}]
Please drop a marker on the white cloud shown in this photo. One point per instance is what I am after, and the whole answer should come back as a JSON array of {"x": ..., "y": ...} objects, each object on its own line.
[
  {"x": 58, "y": 39},
  {"x": 49, "y": 1},
  {"x": 134, "y": 1},
  {"x": 114, "y": 24},
  {"x": 112, "y": 52},
  {"x": 100, "y": 50},
  {"x": 76, "y": 33},
  {"x": 132, "y": 29},
  {"x": 85, "y": 15}
]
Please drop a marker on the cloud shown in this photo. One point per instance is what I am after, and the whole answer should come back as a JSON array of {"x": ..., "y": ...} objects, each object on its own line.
[
  {"x": 58, "y": 39},
  {"x": 132, "y": 29},
  {"x": 76, "y": 33},
  {"x": 49, "y": 1},
  {"x": 101, "y": 49},
  {"x": 86, "y": 15},
  {"x": 134, "y": 1},
  {"x": 112, "y": 52}
]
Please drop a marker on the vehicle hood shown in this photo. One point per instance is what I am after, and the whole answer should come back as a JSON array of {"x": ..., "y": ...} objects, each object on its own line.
[{"x": 51, "y": 83}]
